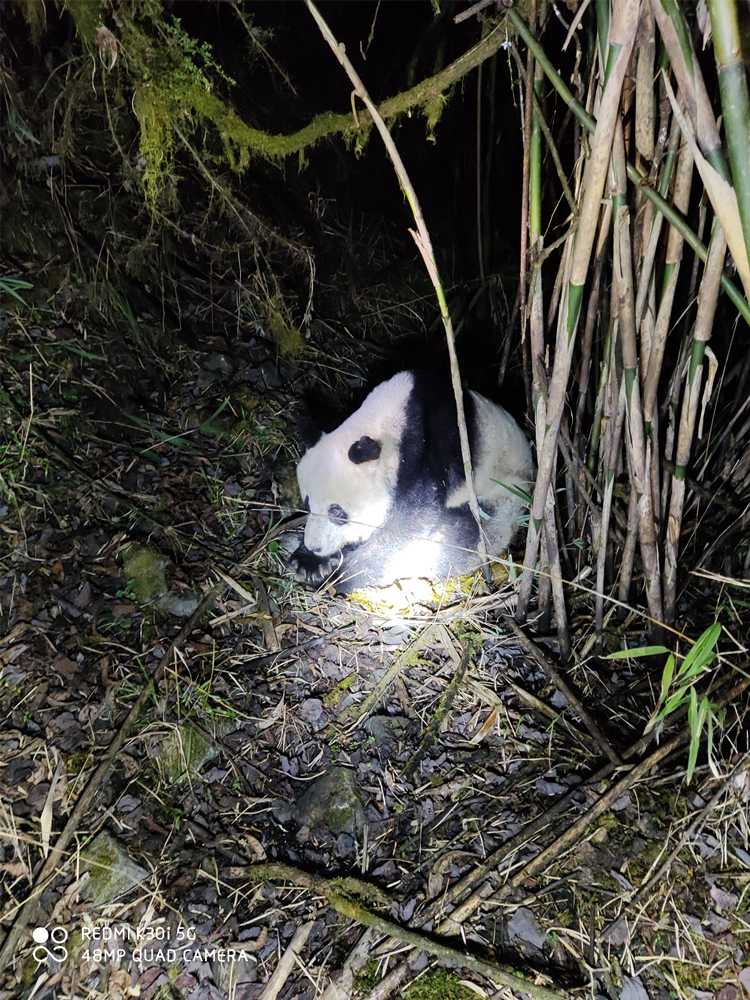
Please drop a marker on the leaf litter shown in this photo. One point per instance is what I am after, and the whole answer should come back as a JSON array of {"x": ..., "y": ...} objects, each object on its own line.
[{"x": 315, "y": 795}]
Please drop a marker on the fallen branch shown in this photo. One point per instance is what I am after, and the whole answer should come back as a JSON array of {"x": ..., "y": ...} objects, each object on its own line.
[
  {"x": 533, "y": 650},
  {"x": 334, "y": 890},
  {"x": 286, "y": 963}
]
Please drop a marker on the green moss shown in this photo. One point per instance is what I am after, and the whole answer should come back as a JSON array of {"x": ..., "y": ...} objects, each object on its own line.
[
  {"x": 112, "y": 871},
  {"x": 608, "y": 821},
  {"x": 283, "y": 330},
  {"x": 174, "y": 92},
  {"x": 438, "y": 984},
  {"x": 333, "y": 695},
  {"x": 143, "y": 568},
  {"x": 691, "y": 975},
  {"x": 35, "y": 16},
  {"x": 184, "y": 752},
  {"x": 432, "y": 109},
  {"x": 468, "y": 634},
  {"x": 89, "y": 17}
]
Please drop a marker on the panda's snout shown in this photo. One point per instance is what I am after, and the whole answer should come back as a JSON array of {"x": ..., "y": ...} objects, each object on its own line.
[
  {"x": 312, "y": 543},
  {"x": 321, "y": 537}
]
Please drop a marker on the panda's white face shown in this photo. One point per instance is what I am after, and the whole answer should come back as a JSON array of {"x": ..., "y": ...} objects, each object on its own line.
[
  {"x": 347, "y": 480},
  {"x": 347, "y": 487}
]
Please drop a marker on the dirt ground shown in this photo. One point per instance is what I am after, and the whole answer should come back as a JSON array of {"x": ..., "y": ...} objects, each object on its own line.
[{"x": 216, "y": 784}]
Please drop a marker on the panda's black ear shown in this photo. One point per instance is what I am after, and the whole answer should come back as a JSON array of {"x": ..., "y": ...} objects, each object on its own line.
[
  {"x": 308, "y": 431},
  {"x": 364, "y": 450},
  {"x": 317, "y": 415}
]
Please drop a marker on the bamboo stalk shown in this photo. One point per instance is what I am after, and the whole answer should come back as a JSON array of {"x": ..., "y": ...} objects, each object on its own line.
[
  {"x": 645, "y": 114},
  {"x": 671, "y": 406},
  {"x": 550, "y": 554},
  {"x": 600, "y": 402},
  {"x": 613, "y": 454},
  {"x": 534, "y": 353},
  {"x": 651, "y": 365},
  {"x": 676, "y": 37},
  {"x": 635, "y": 175},
  {"x": 621, "y": 36},
  {"x": 734, "y": 102},
  {"x": 527, "y": 350},
  {"x": 681, "y": 199},
  {"x": 592, "y": 314},
  {"x": 638, "y": 448},
  {"x": 610, "y": 417},
  {"x": 645, "y": 275},
  {"x": 480, "y": 246},
  {"x": 627, "y": 559},
  {"x": 707, "y": 298}
]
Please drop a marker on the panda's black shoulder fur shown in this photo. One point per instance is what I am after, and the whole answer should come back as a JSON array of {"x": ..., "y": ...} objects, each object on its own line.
[{"x": 430, "y": 454}]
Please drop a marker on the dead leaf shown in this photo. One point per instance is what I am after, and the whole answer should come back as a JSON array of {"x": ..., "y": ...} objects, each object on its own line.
[
  {"x": 487, "y": 727},
  {"x": 45, "y": 821},
  {"x": 65, "y": 666}
]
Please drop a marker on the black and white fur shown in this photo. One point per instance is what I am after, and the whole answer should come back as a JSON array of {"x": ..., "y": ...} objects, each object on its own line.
[{"x": 386, "y": 493}]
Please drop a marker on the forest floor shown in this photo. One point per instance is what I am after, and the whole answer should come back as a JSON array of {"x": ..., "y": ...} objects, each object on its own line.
[{"x": 216, "y": 784}]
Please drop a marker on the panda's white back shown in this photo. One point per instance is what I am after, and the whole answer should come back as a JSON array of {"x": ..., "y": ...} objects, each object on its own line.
[
  {"x": 383, "y": 412},
  {"x": 501, "y": 457}
]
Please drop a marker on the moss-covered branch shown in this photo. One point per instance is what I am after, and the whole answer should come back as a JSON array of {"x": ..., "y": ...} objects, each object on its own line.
[
  {"x": 338, "y": 893},
  {"x": 172, "y": 85}
]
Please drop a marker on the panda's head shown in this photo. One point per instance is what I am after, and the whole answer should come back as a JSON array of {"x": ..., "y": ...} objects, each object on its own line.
[{"x": 347, "y": 485}]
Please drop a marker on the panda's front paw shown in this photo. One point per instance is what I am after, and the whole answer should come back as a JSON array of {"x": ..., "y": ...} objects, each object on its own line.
[{"x": 313, "y": 570}]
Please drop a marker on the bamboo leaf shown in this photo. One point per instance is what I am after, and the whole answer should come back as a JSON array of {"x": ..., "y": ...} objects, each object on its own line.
[
  {"x": 666, "y": 681},
  {"x": 700, "y": 654},
  {"x": 666, "y": 678},
  {"x": 673, "y": 703},
  {"x": 636, "y": 652},
  {"x": 11, "y": 286},
  {"x": 694, "y": 734},
  {"x": 516, "y": 491}
]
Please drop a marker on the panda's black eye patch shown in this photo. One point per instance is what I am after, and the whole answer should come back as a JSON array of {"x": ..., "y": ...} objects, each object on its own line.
[
  {"x": 336, "y": 513},
  {"x": 307, "y": 504}
]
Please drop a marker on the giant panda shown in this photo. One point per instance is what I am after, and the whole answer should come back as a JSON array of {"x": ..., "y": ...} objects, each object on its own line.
[{"x": 385, "y": 493}]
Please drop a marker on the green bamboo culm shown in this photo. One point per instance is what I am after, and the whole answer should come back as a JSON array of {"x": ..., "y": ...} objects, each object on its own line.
[
  {"x": 734, "y": 102},
  {"x": 634, "y": 174},
  {"x": 535, "y": 171}
]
